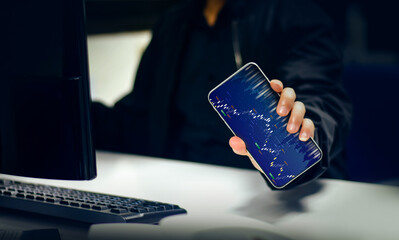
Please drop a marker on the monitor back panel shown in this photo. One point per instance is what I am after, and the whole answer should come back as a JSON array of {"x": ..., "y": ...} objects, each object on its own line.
[{"x": 45, "y": 126}]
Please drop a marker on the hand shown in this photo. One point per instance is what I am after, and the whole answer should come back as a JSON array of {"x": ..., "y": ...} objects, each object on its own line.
[{"x": 285, "y": 105}]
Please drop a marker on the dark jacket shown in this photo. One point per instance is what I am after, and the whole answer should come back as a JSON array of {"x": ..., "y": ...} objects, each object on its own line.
[{"x": 291, "y": 40}]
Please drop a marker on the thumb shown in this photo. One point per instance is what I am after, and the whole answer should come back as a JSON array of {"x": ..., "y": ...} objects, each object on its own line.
[{"x": 238, "y": 146}]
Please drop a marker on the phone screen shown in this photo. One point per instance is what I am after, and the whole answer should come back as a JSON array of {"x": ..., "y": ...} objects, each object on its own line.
[{"x": 247, "y": 104}]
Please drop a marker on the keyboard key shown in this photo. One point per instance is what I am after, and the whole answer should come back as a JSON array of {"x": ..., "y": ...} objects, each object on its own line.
[
  {"x": 20, "y": 195},
  {"x": 85, "y": 205},
  {"x": 30, "y": 196},
  {"x": 53, "y": 200},
  {"x": 167, "y": 207},
  {"x": 64, "y": 202},
  {"x": 150, "y": 209},
  {"x": 39, "y": 198},
  {"x": 119, "y": 210},
  {"x": 75, "y": 204},
  {"x": 138, "y": 210},
  {"x": 100, "y": 207},
  {"x": 7, "y": 193},
  {"x": 160, "y": 208}
]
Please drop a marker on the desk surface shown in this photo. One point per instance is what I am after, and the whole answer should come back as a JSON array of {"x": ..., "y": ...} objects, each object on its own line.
[{"x": 324, "y": 209}]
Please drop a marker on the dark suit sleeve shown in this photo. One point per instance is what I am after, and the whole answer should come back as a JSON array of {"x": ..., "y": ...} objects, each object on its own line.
[{"x": 310, "y": 62}]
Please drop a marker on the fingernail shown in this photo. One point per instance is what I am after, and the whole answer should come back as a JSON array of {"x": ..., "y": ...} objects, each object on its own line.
[
  {"x": 303, "y": 137},
  {"x": 283, "y": 110},
  {"x": 291, "y": 127}
]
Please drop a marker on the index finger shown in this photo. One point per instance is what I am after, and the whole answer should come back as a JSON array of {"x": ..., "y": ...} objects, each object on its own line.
[{"x": 276, "y": 85}]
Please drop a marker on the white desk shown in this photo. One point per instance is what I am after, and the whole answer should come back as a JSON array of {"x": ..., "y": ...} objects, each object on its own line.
[{"x": 325, "y": 209}]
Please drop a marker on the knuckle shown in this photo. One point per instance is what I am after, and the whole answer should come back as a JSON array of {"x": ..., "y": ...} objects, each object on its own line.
[
  {"x": 289, "y": 93},
  {"x": 300, "y": 104},
  {"x": 299, "y": 107}
]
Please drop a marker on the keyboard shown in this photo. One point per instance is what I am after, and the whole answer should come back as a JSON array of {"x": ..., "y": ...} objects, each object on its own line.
[{"x": 82, "y": 206}]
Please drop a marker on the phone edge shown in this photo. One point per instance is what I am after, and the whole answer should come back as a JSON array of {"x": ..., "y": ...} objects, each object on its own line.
[{"x": 250, "y": 155}]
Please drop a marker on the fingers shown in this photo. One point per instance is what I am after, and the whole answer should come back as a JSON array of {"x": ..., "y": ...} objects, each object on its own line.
[
  {"x": 307, "y": 130},
  {"x": 276, "y": 85},
  {"x": 238, "y": 146},
  {"x": 286, "y": 102},
  {"x": 297, "y": 121},
  {"x": 296, "y": 118},
  {"x": 287, "y": 97}
]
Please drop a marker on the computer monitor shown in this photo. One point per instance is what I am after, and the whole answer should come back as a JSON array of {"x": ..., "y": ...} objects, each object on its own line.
[{"x": 45, "y": 126}]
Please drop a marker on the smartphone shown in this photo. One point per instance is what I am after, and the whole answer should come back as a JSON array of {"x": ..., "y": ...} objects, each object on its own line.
[{"x": 247, "y": 104}]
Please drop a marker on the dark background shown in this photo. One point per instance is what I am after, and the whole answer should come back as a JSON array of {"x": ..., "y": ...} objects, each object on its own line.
[
  {"x": 368, "y": 28},
  {"x": 369, "y": 38}
]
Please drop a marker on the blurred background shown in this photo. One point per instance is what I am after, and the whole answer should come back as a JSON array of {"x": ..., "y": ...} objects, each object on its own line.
[{"x": 120, "y": 30}]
